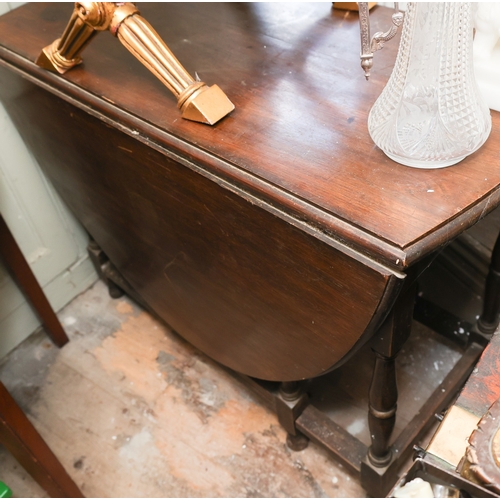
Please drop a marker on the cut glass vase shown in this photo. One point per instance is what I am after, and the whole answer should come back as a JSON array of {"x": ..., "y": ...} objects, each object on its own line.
[{"x": 431, "y": 114}]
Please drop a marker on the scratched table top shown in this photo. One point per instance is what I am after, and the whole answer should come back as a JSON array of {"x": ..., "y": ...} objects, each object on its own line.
[{"x": 298, "y": 135}]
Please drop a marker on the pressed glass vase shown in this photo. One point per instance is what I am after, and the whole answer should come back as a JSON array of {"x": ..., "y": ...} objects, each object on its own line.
[{"x": 431, "y": 114}]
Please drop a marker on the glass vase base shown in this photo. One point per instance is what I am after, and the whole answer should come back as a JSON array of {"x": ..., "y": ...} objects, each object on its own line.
[{"x": 426, "y": 164}]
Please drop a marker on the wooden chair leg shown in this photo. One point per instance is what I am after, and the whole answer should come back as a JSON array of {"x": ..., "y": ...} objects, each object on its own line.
[
  {"x": 489, "y": 319},
  {"x": 19, "y": 436},
  {"x": 21, "y": 271}
]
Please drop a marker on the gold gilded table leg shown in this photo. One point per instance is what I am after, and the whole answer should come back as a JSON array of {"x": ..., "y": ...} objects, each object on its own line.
[
  {"x": 64, "y": 53},
  {"x": 196, "y": 100}
]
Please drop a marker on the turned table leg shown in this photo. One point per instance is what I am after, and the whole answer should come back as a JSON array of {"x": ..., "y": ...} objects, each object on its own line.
[
  {"x": 382, "y": 410},
  {"x": 383, "y": 394},
  {"x": 290, "y": 403},
  {"x": 489, "y": 319}
]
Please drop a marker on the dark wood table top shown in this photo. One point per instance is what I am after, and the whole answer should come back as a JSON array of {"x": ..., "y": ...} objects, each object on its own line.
[{"x": 298, "y": 137}]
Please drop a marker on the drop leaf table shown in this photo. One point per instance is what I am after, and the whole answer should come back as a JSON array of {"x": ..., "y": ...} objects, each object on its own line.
[{"x": 279, "y": 240}]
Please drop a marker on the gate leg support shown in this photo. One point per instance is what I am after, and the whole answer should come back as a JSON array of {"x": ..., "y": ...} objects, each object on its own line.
[
  {"x": 382, "y": 410},
  {"x": 290, "y": 403},
  {"x": 103, "y": 268},
  {"x": 383, "y": 396}
]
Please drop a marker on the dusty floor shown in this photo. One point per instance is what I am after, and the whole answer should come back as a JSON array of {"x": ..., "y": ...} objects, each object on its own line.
[{"x": 132, "y": 410}]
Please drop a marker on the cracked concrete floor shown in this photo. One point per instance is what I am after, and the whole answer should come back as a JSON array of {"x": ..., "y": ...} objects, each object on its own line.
[{"x": 132, "y": 410}]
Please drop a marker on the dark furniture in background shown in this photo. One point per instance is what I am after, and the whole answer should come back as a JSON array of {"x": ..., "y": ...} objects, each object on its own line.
[
  {"x": 17, "y": 433},
  {"x": 477, "y": 419},
  {"x": 279, "y": 241}
]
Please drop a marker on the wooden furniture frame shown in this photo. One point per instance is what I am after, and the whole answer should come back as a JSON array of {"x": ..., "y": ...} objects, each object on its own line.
[
  {"x": 279, "y": 241},
  {"x": 451, "y": 466},
  {"x": 17, "y": 433}
]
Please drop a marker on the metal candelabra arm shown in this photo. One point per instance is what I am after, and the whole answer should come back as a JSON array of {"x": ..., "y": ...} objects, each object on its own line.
[
  {"x": 196, "y": 100},
  {"x": 371, "y": 45}
]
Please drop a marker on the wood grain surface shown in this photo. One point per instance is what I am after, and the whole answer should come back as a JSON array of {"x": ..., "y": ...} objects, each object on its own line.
[
  {"x": 276, "y": 241},
  {"x": 244, "y": 286},
  {"x": 298, "y": 135}
]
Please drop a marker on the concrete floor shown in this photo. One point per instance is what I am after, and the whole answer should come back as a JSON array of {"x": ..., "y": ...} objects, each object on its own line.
[{"x": 132, "y": 410}]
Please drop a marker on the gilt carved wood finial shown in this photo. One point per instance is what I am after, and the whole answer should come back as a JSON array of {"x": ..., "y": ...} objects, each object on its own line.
[{"x": 196, "y": 100}]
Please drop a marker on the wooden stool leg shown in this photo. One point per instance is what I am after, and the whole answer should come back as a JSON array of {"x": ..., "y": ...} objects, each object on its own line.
[
  {"x": 19, "y": 436},
  {"x": 489, "y": 319},
  {"x": 383, "y": 395},
  {"x": 13, "y": 257}
]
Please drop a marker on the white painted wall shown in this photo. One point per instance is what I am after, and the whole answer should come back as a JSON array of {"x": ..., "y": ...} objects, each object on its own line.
[{"x": 51, "y": 239}]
